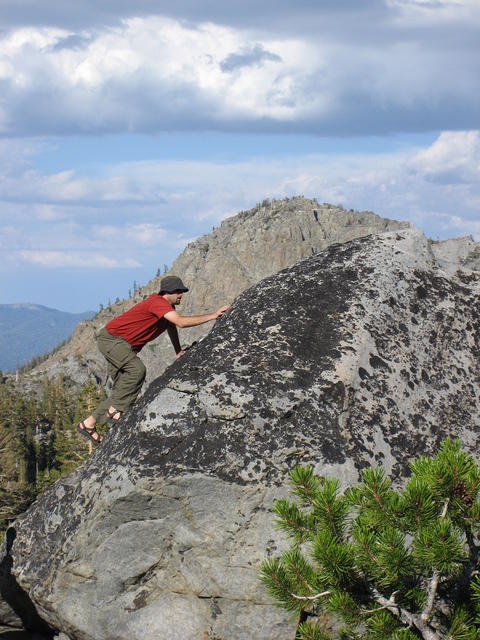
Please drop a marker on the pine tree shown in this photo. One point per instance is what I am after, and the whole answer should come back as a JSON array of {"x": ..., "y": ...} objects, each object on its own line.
[
  {"x": 89, "y": 397},
  {"x": 389, "y": 564},
  {"x": 17, "y": 455}
]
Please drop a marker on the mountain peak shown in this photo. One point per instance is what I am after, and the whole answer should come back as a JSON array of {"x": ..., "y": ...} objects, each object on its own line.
[{"x": 218, "y": 266}]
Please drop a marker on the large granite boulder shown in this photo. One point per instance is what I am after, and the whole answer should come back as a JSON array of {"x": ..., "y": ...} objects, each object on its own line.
[
  {"x": 217, "y": 267},
  {"x": 365, "y": 354}
]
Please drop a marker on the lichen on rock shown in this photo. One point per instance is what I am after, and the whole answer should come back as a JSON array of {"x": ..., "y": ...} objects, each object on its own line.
[{"x": 363, "y": 354}]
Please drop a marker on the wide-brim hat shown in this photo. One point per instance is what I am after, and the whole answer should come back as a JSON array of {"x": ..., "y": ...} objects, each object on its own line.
[{"x": 171, "y": 284}]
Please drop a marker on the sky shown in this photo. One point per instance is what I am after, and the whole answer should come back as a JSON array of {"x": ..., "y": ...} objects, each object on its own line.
[{"x": 129, "y": 128}]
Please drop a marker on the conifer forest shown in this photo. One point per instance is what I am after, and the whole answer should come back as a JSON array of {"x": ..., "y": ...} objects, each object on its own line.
[{"x": 38, "y": 443}]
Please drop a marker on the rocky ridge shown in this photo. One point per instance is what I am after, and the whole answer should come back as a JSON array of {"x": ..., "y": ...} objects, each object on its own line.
[
  {"x": 366, "y": 353},
  {"x": 217, "y": 267}
]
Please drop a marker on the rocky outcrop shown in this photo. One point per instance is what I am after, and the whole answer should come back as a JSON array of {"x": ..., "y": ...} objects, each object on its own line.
[
  {"x": 455, "y": 253},
  {"x": 217, "y": 267},
  {"x": 364, "y": 354}
]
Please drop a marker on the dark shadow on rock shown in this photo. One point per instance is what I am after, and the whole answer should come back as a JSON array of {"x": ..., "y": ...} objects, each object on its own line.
[
  {"x": 22, "y": 635},
  {"x": 18, "y": 599}
]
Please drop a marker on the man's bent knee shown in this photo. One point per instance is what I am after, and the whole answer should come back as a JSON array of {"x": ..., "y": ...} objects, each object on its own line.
[{"x": 137, "y": 369}]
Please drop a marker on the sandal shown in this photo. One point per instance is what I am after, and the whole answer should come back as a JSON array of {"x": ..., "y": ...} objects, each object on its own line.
[
  {"x": 111, "y": 416},
  {"x": 89, "y": 433}
]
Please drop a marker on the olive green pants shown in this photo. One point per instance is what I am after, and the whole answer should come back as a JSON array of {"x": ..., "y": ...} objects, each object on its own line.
[{"x": 127, "y": 372}]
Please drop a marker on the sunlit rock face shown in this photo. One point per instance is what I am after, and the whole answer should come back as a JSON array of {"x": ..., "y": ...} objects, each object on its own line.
[
  {"x": 364, "y": 354},
  {"x": 217, "y": 267}
]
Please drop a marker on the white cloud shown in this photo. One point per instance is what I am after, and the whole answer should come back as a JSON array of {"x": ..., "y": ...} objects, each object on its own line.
[
  {"x": 60, "y": 259},
  {"x": 454, "y": 157},
  {"x": 156, "y": 73},
  {"x": 89, "y": 82},
  {"x": 161, "y": 202},
  {"x": 143, "y": 234},
  {"x": 49, "y": 212},
  {"x": 332, "y": 68}
]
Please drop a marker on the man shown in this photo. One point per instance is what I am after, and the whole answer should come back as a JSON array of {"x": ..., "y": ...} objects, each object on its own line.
[{"x": 123, "y": 337}]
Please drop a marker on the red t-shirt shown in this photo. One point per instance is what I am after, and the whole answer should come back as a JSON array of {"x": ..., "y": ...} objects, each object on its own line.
[{"x": 142, "y": 323}]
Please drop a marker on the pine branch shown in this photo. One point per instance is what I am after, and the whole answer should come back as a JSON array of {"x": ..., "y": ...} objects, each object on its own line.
[
  {"x": 410, "y": 619},
  {"x": 298, "y": 569},
  {"x": 390, "y": 602},
  {"x": 311, "y": 598},
  {"x": 434, "y": 580},
  {"x": 305, "y": 484},
  {"x": 310, "y": 631},
  {"x": 432, "y": 591}
]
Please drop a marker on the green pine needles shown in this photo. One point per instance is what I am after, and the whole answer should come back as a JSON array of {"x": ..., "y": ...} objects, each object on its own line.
[{"x": 383, "y": 564}]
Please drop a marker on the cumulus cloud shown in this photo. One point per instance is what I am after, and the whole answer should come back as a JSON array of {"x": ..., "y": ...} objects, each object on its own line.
[
  {"x": 78, "y": 70},
  {"x": 453, "y": 158},
  {"x": 167, "y": 203},
  {"x": 162, "y": 204},
  {"x": 60, "y": 259},
  {"x": 156, "y": 73}
]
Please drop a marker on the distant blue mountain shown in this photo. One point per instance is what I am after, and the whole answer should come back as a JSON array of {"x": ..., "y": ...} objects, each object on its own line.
[{"x": 30, "y": 330}]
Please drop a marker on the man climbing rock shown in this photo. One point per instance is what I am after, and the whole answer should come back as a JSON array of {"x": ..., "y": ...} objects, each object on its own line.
[{"x": 123, "y": 337}]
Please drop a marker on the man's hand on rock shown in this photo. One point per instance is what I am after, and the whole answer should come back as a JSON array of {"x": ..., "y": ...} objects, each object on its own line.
[
  {"x": 180, "y": 353},
  {"x": 222, "y": 310}
]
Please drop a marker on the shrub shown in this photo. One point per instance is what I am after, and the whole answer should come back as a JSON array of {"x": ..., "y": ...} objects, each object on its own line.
[{"x": 384, "y": 563}]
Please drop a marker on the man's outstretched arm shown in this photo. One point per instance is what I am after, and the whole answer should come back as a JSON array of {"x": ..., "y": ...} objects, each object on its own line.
[
  {"x": 173, "y": 335},
  {"x": 192, "y": 321}
]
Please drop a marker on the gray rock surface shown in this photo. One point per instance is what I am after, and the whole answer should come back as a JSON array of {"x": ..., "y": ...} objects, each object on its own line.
[
  {"x": 217, "y": 267},
  {"x": 461, "y": 252},
  {"x": 364, "y": 354}
]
